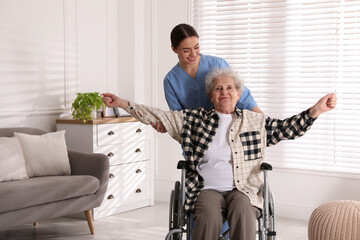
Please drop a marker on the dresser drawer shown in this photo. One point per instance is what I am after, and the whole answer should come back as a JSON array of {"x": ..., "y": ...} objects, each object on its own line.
[
  {"x": 127, "y": 144},
  {"x": 126, "y": 152},
  {"x": 128, "y": 183},
  {"x": 109, "y": 134}
]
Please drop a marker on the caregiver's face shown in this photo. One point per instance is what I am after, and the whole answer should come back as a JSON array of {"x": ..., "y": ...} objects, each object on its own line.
[{"x": 188, "y": 51}]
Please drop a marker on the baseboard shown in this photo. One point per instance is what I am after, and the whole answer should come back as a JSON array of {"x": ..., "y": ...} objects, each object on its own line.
[{"x": 293, "y": 211}]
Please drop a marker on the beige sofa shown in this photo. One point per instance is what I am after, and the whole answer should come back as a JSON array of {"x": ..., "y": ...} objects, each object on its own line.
[{"x": 39, "y": 198}]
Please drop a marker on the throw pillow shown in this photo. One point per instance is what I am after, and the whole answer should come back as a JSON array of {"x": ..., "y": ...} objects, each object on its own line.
[
  {"x": 12, "y": 162},
  {"x": 45, "y": 155}
]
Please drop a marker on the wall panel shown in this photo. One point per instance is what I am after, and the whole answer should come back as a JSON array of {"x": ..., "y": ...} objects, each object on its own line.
[
  {"x": 49, "y": 51},
  {"x": 32, "y": 56}
]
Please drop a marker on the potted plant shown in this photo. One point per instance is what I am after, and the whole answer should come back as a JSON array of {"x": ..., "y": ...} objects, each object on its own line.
[{"x": 86, "y": 105}]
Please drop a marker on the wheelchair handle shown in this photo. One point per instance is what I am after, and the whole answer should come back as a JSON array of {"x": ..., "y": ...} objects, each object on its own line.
[
  {"x": 266, "y": 166},
  {"x": 181, "y": 164}
]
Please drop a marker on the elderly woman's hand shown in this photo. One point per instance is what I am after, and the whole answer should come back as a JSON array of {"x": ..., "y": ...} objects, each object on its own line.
[
  {"x": 111, "y": 100},
  {"x": 325, "y": 104}
]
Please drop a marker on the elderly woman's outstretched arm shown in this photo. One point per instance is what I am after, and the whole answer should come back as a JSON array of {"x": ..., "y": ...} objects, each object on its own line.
[
  {"x": 113, "y": 101},
  {"x": 172, "y": 120},
  {"x": 325, "y": 104},
  {"x": 296, "y": 126}
]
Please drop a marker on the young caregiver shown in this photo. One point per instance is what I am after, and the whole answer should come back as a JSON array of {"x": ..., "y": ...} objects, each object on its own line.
[{"x": 184, "y": 84}]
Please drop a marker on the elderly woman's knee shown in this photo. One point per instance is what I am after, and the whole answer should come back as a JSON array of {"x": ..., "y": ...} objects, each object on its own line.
[{"x": 239, "y": 204}]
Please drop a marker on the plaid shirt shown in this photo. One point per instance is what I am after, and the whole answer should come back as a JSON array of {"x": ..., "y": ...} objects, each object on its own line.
[{"x": 249, "y": 136}]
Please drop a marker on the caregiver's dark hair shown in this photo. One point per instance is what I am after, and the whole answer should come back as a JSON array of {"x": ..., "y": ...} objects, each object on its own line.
[{"x": 181, "y": 32}]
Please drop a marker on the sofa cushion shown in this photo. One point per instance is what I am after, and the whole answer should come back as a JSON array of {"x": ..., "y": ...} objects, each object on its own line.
[
  {"x": 42, "y": 190},
  {"x": 12, "y": 162},
  {"x": 45, "y": 155}
]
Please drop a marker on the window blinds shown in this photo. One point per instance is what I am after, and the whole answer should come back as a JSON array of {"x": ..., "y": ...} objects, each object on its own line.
[{"x": 291, "y": 53}]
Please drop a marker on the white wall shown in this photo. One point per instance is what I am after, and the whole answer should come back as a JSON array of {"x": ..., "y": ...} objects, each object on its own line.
[
  {"x": 135, "y": 50},
  {"x": 96, "y": 25},
  {"x": 51, "y": 49},
  {"x": 298, "y": 193}
]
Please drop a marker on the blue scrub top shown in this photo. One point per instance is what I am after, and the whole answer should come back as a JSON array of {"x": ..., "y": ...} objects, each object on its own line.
[{"x": 184, "y": 92}]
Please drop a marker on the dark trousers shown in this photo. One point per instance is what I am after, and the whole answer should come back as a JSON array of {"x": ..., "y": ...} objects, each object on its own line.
[{"x": 213, "y": 207}]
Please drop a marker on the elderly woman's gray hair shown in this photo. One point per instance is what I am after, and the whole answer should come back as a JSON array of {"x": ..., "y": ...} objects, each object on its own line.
[{"x": 222, "y": 72}]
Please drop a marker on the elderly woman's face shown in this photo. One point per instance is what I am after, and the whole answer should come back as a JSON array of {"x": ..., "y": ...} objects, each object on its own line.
[{"x": 224, "y": 95}]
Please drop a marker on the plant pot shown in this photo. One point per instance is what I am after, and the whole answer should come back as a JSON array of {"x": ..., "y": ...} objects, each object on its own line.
[{"x": 94, "y": 113}]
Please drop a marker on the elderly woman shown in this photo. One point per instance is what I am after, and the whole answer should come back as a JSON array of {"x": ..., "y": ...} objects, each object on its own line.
[{"x": 224, "y": 148}]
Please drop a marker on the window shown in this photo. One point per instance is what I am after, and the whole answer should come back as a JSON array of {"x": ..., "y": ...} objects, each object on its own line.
[{"x": 291, "y": 53}]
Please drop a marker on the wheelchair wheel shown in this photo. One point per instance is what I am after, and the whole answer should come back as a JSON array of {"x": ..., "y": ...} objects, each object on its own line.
[
  {"x": 272, "y": 220},
  {"x": 174, "y": 211}
]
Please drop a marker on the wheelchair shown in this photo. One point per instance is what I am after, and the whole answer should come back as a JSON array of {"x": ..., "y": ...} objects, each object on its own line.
[{"x": 180, "y": 223}]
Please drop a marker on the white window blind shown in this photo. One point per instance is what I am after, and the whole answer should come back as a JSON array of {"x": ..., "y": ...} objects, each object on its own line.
[{"x": 291, "y": 53}]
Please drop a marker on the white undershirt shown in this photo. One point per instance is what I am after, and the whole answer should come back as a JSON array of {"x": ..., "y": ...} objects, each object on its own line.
[{"x": 216, "y": 166}]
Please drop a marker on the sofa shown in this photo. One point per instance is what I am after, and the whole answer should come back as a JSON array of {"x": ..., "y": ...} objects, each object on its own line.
[{"x": 35, "y": 198}]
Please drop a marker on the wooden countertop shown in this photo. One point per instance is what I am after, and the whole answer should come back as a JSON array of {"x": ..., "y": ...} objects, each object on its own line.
[{"x": 96, "y": 120}]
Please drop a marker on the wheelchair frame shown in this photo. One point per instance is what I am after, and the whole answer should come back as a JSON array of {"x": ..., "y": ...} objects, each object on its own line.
[{"x": 180, "y": 222}]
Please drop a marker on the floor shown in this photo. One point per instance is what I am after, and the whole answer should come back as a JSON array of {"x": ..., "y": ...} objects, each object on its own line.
[{"x": 149, "y": 223}]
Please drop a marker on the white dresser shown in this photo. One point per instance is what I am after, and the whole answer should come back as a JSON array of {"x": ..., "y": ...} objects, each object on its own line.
[{"x": 125, "y": 141}]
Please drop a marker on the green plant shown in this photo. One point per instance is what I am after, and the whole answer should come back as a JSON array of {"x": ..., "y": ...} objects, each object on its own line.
[{"x": 85, "y": 104}]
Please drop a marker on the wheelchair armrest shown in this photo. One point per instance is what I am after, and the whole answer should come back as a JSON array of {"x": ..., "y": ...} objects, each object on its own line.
[
  {"x": 266, "y": 166},
  {"x": 181, "y": 164}
]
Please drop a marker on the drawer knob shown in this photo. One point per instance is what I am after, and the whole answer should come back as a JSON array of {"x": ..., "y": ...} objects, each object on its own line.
[
  {"x": 138, "y": 171},
  {"x": 138, "y": 130},
  {"x": 138, "y": 190},
  {"x": 110, "y": 154},
  {"x": 111, "y": 133},
  {"x": 110, "y": 196},
  {"x": 138, "y": 150},
  {"x": 111, "y": 175}
]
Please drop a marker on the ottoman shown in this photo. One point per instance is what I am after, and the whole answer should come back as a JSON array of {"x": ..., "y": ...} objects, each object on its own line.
[{"x": 337, "y": 220}]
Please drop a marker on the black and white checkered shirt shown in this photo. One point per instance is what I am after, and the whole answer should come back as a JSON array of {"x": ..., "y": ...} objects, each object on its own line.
[{"x": 249, "y": 136}]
